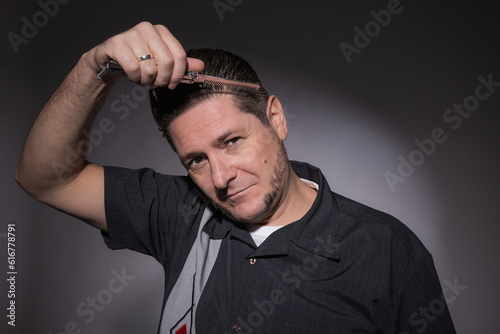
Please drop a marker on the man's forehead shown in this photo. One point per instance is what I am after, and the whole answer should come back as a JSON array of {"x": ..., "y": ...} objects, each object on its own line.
[{"x": 208, "y": 120}]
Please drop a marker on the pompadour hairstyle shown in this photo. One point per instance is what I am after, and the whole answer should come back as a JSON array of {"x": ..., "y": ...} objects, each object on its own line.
[{"x": 167, "y": 104}]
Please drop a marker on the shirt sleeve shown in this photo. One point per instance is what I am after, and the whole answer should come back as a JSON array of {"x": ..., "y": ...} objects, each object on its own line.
[
  {"x": 411, "y": 299},
  {"x": 423, "y": 308},
  {"x": 149, "y": 212}
]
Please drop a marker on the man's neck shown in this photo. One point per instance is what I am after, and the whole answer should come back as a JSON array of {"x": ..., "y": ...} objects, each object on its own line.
[{"x": 297, "y": 199}]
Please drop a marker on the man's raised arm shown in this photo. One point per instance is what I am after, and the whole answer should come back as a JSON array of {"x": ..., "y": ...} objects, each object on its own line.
[{"x": 53, "y": 166}]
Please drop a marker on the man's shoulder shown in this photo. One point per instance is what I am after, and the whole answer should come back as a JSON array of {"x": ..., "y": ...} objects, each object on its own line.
[
  {"x": 359, "y": 211},
  {"x": 145, "y": 177},
  {"x": 357, "y": 220},
  {"x": 144, "y": 173},
  {"x": 148, "y": 183}
]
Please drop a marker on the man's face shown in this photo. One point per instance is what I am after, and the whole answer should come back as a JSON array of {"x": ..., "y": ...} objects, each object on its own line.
[{"x": 234, "y": 159}]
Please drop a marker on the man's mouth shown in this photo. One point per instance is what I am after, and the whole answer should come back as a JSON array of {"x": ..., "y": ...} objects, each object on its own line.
[{"x": 236, "y": 194}]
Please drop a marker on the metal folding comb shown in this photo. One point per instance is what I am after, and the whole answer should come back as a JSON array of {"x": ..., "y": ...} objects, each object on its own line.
[{"x": 191, "y": 77}]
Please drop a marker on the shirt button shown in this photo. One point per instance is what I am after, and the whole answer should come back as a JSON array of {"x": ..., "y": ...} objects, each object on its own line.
[
  {"x": 252, "y": 261},
  {"x": 236, "y": 327}
]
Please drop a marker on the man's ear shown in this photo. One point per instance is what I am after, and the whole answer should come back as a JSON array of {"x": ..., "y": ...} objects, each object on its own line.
[{"x": 276, "y": 117}]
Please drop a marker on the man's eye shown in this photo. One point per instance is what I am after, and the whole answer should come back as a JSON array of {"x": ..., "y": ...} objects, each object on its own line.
[
  {"x": 196, "y": 162},
  {"x": 233, "y": 141}
]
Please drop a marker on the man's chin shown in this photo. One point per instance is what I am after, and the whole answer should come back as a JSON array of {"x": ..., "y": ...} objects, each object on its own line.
[{"x": 242, "y": 216}]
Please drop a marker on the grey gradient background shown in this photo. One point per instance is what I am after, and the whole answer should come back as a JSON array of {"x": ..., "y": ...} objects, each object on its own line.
[{"x": 352, "y": 120}]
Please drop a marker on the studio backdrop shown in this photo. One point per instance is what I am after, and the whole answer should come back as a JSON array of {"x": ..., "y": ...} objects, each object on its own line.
[{"x": 397, "y": 101}]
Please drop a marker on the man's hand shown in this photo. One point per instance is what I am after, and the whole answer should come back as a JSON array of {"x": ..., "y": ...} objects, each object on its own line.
[
  {"x": 167, "y": 64},
  {"x": 77, "y": 187}
]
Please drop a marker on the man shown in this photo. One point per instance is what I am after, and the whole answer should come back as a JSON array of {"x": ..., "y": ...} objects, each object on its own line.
[{"x": 249, "y": 241}]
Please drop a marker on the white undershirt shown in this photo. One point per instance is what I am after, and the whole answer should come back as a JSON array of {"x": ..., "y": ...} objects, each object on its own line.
[{"x": 260, "y": 233}]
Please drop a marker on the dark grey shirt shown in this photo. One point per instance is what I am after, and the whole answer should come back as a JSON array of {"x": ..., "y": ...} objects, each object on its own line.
[{"x": 342, "y": 268}]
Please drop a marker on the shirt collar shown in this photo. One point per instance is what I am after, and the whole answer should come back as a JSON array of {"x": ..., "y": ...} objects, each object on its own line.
[{"x": 316, "y": 232}]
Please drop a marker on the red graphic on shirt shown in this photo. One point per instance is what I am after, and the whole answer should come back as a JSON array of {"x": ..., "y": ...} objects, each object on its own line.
[{"x": 182, "y": 330}]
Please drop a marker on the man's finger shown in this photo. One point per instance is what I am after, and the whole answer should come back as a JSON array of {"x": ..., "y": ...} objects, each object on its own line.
[
  {"x": 178, "y": 55},
  {"x": 194, "y": 64}
]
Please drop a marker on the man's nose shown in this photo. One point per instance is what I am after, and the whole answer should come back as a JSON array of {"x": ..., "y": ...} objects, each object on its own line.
[{"x": 222, "y": 172}]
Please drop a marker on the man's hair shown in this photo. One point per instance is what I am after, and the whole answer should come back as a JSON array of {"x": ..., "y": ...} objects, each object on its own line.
[{"x": 167, "y": 104}]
